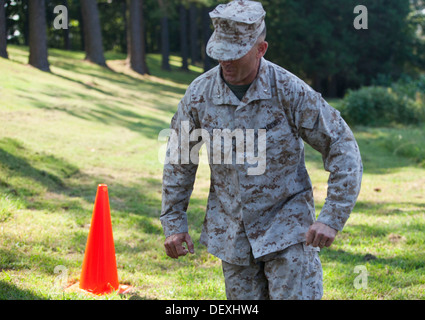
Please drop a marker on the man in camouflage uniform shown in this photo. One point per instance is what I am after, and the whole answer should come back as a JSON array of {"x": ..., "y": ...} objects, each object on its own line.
[{"x": 260, "y": 221}]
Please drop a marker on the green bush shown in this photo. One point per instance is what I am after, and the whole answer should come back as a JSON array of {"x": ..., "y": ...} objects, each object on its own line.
[
  {"x": 381, "y": 106},
  {"x": 409, "y": 86},
  {"x": 413, "y": 89}
]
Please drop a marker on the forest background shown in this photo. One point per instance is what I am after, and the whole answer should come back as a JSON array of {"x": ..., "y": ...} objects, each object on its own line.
[{"x": 315, "y": 40}]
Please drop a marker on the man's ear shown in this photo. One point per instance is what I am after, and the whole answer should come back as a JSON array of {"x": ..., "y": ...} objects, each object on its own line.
[{"x": 262, "y": 48}]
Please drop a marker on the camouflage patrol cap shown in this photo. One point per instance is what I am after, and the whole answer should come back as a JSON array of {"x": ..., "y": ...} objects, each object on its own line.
[{"x": 237, "y": 26}]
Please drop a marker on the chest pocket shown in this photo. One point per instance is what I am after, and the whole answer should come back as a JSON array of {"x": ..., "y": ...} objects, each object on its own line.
[{"x": 282, "y": 142}]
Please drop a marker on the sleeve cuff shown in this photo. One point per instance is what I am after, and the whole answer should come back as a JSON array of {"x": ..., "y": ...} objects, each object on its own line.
[{"x": 174, "y": 224}]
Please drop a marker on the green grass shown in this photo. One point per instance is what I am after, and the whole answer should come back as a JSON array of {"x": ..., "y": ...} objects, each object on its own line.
[
  {"x": 385, "y": 231},
  {"x": 64, "y": 132}
]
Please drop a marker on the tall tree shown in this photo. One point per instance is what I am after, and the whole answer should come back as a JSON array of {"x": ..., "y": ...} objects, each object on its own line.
[
  {"x": 165, "y": 38},
  {"x": 136, "y": 45},
  {"x": 92, "y": 32},
  {"x": 184, "y": 43},
  {"x": 206, "y": 34},
  {"x": 3, "y": 35},
  {"x": 66, "y": 42},
  {"x": 38, "y": 35},
  {"x": 319, "y": 42},
  {"x": 194, "y": 41},
  {"x": 81, "y": 27}
]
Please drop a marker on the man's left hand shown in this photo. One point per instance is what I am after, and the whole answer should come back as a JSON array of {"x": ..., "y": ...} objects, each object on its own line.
[{"x": 320, "y": 235}]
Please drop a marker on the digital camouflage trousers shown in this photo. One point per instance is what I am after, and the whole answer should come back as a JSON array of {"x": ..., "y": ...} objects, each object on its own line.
[{"x": 292, "y": 274}]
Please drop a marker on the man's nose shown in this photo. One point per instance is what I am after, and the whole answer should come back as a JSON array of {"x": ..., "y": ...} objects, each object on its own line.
[{"x": 225, "y": 63}]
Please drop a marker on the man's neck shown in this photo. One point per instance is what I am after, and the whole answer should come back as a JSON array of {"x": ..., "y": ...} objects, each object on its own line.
[{"x": 238, "y": 90}]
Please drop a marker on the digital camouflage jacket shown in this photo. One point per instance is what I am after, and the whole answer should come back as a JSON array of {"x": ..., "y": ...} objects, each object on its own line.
[{"x": 253, "y": 208}]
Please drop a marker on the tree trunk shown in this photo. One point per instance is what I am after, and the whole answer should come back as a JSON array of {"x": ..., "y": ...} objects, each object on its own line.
[
  {"x": 125, "y": 14},
  {"x": 194, "y": 45},
  {"x": 165, "y": 44},
  {"x": 206, "y": 32},
  {"x": 26, "y": 22},
  {"x": 317, "y": 83},
  {"x": 128, "y": 30},
  {"x": 332, "y": 87},
  {"x": 81, "y": 29},
  {"x": 3, "y": 34},
  {"x": 165, "y": 40},
  {"x": 143, "y": 37},
  {"x": 136, "y": 47},
  {"x": 92, "y": 32},
  {"x": 38, "y": 35},
  {"x": 184, "y": 48},
  {"x": 66, "y": 42}
]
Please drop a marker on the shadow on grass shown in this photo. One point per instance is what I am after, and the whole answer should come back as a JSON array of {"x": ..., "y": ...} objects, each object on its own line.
[
  {"x": 119, "y": 78},
  {"x": 17, "y": 161},
  {"x": 52, "y": 185},
  {"x": 113, "y": 110},
  {"x": 110, "y": 114},
  {"x": 388, "y": 208},
  {"x": 406, "y": 262},
  {"x": 9, "y": 291},
  {"x": 114, "y": 104}
]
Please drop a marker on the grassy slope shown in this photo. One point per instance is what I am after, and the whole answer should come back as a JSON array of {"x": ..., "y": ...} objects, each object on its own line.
[{"x": 63, "y": 133}]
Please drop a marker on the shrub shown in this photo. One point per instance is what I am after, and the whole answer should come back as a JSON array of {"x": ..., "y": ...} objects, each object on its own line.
[
  {"x": 409, "y": 87},
  {"x": 382, "y": 106}
]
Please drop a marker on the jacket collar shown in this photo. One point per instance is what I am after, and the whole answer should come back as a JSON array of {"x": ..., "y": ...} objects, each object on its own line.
[{"x": 259, "y": 89}]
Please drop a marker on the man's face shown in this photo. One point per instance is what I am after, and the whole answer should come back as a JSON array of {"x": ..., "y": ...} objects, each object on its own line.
[{"x": 244, "y": 70}]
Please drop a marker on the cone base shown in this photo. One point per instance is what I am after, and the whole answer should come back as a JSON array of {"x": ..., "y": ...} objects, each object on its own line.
[{"x": 75, "y": 287}]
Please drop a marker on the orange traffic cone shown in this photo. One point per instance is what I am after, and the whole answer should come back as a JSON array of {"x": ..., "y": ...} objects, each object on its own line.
[{"x": 99, "y": 272}]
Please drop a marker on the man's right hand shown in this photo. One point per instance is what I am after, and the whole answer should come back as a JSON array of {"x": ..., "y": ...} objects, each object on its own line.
[{"x": 174, "y": 245}]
